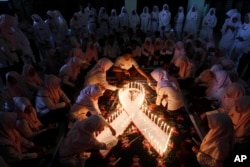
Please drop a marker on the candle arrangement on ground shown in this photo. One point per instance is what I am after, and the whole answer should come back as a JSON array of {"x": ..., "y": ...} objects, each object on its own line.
[
  {"x": 142, "y": 131},
  {"x": 133, "y": 110}
]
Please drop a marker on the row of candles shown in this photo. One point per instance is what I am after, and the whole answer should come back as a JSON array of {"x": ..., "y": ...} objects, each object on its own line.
[
  {"x": 159, "y": 146},
  {"x": 135, "y": 85},
  {"x": 156, "y": 119}
]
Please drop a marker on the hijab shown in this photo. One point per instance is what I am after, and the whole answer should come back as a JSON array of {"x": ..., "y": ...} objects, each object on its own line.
[{"x": 21, "y": 104}]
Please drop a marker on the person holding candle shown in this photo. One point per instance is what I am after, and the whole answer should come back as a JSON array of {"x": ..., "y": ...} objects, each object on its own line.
[
  {"x": 97, "y": 75},
  {"x": 81, "y": 138},
  {"x": 168, "y": 93},
  {"x": 125, "y": 67},
  {"x": 218, "y": 142}
]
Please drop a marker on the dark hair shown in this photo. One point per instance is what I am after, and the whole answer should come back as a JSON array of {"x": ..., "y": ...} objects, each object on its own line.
[{"x": 127, "y": 51}]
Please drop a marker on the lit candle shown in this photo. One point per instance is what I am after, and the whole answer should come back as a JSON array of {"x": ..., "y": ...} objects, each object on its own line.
[
  {"x": 158, "y": 121},
  {"x": 164, "y": 126},
  {"x": 155, "y": 118},
  {"x": 167, "y": 129}
]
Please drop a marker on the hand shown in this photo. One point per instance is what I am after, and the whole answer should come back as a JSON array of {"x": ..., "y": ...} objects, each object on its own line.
[
  {"x": 113, "y": 131},
  {"x": 152, "y": 107},
  {"x": 148, "y": 80},
  {"x": 126, "y": 72},
  {"x": 195, "y": 149}
]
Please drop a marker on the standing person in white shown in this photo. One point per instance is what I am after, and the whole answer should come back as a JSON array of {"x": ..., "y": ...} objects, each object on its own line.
[
  {"x": 103, "y": 21},
  {"x": 154, "y": 23},
  {"x": 124, "y": 19},
  {"x": 229, "y": 31},
  {"x": 191, "y": 22},
  {"x": 179, "y": 20},
  {"x": 208, "y": 24},
  {"x": 242, "y": 40},
  {"x": 114, "y": 21},
  {"x": 145, "y": 20},
  {"x": 134, "y": 21},
  {"x": 164, "y": 20},
  {"x": 91, "y": 12}
]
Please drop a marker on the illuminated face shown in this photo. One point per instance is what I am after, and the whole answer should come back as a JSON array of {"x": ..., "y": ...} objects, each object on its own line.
[{"x": 127, "y": 56}]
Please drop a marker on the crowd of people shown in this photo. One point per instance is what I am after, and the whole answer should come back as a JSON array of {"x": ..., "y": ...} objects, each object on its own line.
[{"x": 55, "y": 72}]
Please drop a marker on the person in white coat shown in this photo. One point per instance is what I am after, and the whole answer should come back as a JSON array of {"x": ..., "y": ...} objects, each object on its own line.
[
  {"x": 169, "y": 95},
  {"x": 103, "y": 21},
  {"x": 229, "y": 31},
  {"x": 208, "y": 24},
  {"x": 114, "y": 21},
  {"x": 91, "y": 12},
  {"x": 124, "y": 19},
  {"x": 42, "y": 35},
  {"x": 145, "y": 20},
  {"x": 86, "y": 103},
  {"x": 97, "y": 75},
  {"x": 241, "y": 41},
  {"x": 80, "y": 138},
  {"x": 179, "y": 20},
  {"x": 154, "y": 22},
  {"x": 191, "y": 22},
  {"x": 134, "y": 21},
  {"x": 164, "y": 20}
]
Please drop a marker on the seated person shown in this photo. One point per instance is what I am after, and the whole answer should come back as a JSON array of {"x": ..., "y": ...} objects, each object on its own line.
[
  {"x": 240, "y": 116},
  {"x": 31, "y": 79},
  {"x": 168, "y": 93},
  {"x": 81, "y": 138},
  {"x": 15, "y": 149},
  {"x": 14, "y": 87},
  {"x": 97, "y": 75},
  {"x": 124, "y": 67},
  {"x": 69, "y": 73},
  {"x": 218, "y": 142},
  {"x": 52, "y": 104},
  {"x": 29, "y": 126},
  {"x": 86, "y": 103}
]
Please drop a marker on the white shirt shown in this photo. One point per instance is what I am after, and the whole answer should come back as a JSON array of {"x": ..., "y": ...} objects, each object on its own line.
[{"x": 125, "y": 64}]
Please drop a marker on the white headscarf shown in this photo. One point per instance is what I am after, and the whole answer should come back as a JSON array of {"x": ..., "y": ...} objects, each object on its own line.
[
  {"x": 163, "y": 79},
  {"x": 218, "y": 142},
  {"x": 102, "y": 66},
  {"x": 241, "y": 117},
  {"x": 81, "y": 136},
  {"x": 21, "y": 104}
]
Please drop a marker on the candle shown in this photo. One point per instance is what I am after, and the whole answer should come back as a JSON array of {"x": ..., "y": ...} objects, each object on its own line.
[
  {"x": 167, "y": 129},
  {"x": 164, "y": 126},
  {"x": 158, "y": 121},
  {"x": 155, "y": 118}
]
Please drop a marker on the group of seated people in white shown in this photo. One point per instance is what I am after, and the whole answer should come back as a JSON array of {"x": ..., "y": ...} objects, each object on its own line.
[{"x": 64, "y": 91}]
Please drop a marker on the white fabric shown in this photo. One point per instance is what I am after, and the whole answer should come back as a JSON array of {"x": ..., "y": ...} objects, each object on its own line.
[
  {"x": 179, "y": 20},
  {"x": 134, "y": 21},
  {"x": 145, "y": 19},
  {"x": 81, "y": 136},
  {"x": 154, "y": 19},
  {"x": 191, "y": 21},
  {"x": 168, "y": 92},
  {"x": 228, "y": 34},
  {"x": 208, "y": 24},
  {"x": 114, "y": 21},
  {"x": 218, "y": 142},
  {"x": 240, "y": 116},
  {"x": 97, "y": 75},
  {"x": 164, "y": 20},
  {"x": 125, "y": 64},
  {"x": 87, "y": 101}
]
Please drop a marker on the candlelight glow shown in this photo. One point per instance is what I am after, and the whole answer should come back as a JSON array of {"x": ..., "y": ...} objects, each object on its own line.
[{"x": 155, "y": 130}]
